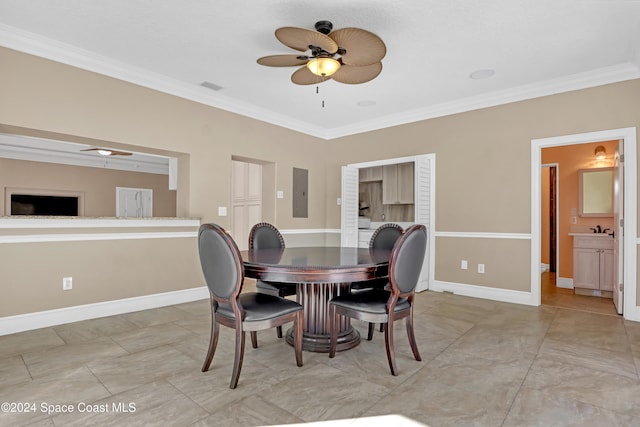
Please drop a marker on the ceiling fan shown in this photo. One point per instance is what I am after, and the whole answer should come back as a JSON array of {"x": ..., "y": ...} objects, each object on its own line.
[
  {"x": 108, "y": 152},
  {"x": 348, "y": 55}
]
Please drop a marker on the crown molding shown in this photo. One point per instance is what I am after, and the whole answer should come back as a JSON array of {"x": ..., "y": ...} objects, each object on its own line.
[
  {"x": 34, "y": 44},
  {"x": 598, "y": 77}
]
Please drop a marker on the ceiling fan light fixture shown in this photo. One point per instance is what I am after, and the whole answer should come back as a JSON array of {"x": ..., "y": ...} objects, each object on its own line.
[{"x": 323, "y": 67}]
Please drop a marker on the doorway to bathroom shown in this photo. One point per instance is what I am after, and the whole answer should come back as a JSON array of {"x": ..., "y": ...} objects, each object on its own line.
[{"x": 556, "y": 287}]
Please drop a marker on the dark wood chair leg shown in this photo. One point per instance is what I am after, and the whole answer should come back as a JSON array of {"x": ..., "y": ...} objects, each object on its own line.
[
  {"x": 381, "y": 327},
  {"x": 370, "y": 331},
  {"x": 254, "y": 339},
  {"x": 237, "y": 359},
  {"x": 279, "y": 331},
  {"x": 334, "y": 331},
  {"x": 297, "y": 336},
  {"x": 388, "y": 342},
  {"x": 412, "y": 337},
  {"x": 213, "y": 343}
]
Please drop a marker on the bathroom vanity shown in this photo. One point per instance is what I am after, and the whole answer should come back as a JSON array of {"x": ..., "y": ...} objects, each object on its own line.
[{"x": 593, "y": 264}]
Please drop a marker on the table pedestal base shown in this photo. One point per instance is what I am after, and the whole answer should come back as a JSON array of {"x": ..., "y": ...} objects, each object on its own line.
[
  {"x": 316, "y": 335},
  {"x": 320, "y": 343}
]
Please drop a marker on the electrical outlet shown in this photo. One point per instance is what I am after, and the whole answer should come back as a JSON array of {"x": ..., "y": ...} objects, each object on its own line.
[
  {"x": 481, "y": 268},
  {"x": 67, "y": 283},
  {"x": 463, "y": 264}
]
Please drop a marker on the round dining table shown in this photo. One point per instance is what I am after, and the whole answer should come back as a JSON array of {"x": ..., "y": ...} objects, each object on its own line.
[{"x": 320, "y": 273}]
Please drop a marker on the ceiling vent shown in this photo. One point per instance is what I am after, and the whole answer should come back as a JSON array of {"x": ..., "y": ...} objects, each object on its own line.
[{"x": 211, "y": 86}]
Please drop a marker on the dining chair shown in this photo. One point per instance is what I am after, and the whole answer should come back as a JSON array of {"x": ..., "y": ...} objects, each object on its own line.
[
  {"x": 384, "y": 237},
  {"x": 224, "y": 274},
  {"x": 266, "y": 236},
  {"x": 386, "y": 306}
]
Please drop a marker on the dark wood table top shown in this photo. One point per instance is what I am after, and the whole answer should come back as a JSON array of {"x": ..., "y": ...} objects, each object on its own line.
[{"x": 317, "y": 264}]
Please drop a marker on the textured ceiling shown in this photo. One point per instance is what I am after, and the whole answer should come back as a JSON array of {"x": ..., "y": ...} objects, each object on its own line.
[{"x": 536, "y": 47}]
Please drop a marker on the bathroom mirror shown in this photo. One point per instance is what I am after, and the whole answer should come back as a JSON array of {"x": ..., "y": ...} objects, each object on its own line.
[{"x": 595, "y": 192}]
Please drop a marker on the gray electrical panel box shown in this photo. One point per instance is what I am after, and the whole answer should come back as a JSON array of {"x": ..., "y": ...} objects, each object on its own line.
[{"x": 300, "y": 193}]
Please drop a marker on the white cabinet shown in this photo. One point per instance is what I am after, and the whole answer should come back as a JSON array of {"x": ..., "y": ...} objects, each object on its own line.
[
  {"x": 593, "y": 262},
  {"x": 371, "y": 174},
  {"x": 364, "y": 237},
  {"x": 397, "y": 184}
]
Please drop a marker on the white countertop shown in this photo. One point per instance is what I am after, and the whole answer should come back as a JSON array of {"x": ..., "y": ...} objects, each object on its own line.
[
  {"x": 93, "y": 222},
  {"x": 590, "y": 235}
]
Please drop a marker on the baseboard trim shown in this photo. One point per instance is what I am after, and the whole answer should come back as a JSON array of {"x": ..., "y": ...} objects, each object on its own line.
[
  {"x": 484, "y": 292},
  {"x": 564, "y": 282},
  {"x": 43, "y": 319}
]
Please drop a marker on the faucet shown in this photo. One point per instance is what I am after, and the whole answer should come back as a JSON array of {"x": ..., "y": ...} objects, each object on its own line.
[{"x": 598, "y": 228}]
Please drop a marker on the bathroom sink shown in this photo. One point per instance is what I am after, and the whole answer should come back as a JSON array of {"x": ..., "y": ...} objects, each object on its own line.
[{"x": 590, "y": 234}]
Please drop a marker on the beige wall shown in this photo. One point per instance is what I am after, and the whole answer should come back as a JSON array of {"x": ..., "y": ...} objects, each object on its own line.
[
  {"x": 483, "y": 170},
  {"x": 102, "y": 271},
  {"x": 98, "y": 185},
  {"x": 482, "y": 175},
  {"x": 47, "y": 99}
]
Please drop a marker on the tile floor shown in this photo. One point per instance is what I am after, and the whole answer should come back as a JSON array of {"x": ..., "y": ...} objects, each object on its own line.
[
  {"x": 485, "y": 363},
  {"x": 566, "y": 298}
]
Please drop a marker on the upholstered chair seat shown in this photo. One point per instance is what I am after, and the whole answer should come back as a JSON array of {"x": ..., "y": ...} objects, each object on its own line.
[
  {"x": 384, "y": 237},
  {"x": 381, "y": 306},
  {"x": 223, "y": 271},
  {"x": 266, "y": 236}
]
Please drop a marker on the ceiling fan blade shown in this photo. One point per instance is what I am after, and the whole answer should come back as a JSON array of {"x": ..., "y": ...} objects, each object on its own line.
[
  {"x": 301, "y": 38},
  {"x": 303, "y": 76},
  {"x": 352, "y": 74},
  {"x": 363, "y": 47},
  {"x": 281, "y": 61}
]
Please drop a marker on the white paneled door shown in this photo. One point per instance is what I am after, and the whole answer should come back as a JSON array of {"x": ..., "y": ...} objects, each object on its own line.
[
  {"x": 618, "y": 229},
  {"x": 246, "y": 200},
  {"x": 424, "y": 187}
]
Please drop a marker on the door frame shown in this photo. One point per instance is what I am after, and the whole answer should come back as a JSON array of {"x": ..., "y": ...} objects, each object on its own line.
[
  {"x": 557, "y": 225},
  {"x": 427, "y": 277},
  {"x": 628, "y": 136}
]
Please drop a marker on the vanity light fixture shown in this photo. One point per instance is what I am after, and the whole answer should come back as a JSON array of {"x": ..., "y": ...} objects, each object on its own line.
[{"x": 600, "y": 152}]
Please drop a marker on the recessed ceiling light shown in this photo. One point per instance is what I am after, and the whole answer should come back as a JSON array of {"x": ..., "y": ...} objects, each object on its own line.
[
  {"x": 366, "y": 103},
  {"x": 482, "y": 74}
]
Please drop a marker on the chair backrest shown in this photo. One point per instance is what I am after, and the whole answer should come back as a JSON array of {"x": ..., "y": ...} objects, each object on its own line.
[
  {"x": 407, "y": 258},
  {"x": 385, "y": 236},
  {"x": 221, "y": 262},
  {"x": 265, "y": 236}
]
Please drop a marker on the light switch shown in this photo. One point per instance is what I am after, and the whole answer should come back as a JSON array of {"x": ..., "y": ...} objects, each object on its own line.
[
  {"x": 280, "y": 194},
  {"x": 222, "y": 211},
  {"x": 481, "y": 268},
  {"x": 463, "y": 264}
]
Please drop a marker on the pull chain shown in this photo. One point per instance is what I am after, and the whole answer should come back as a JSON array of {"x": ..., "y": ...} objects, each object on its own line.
[{"x": 317, "y": 92}]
